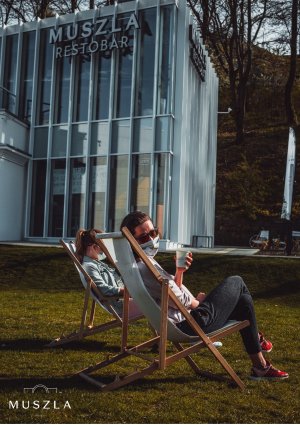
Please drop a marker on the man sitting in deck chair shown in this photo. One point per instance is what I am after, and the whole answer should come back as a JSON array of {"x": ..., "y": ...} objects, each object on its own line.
[
  {"x": 89, "y": 251},
  {"x": 231, "y": 300}
]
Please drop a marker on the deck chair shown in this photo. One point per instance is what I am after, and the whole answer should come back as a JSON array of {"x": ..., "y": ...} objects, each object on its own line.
[
  {"x": 121, "y": 248},
  {"x": 92, "y": 293}
]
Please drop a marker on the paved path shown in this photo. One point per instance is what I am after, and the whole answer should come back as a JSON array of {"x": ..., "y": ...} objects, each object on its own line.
[{"x": 221, "y": 251}]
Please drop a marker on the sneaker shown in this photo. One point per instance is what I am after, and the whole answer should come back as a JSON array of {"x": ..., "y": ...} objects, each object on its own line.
[
  {"x": 269, "y": 373},
  {"x": 266, "y": 346}
]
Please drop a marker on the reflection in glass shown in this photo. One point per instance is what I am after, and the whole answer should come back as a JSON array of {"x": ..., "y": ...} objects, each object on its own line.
[
  {"x": 102, "y": 87},
  {"x": 145, "y": 70},
  {"x": 82, "y": 85},
  {"x": 40, "y": 142},
  {"x": 63, "y": 71},
  {"x": 10, "y": 69},
  {"x": 76, "y": 196},
  {"x": 120, "y": 136},
  {"x": 45, "y": 76},
  {"x": 38, "y": 198},
  {"x": 143, "y": 135},
  {"x": 141, "y": 171},
  {"x": 99, "y": 136},
  {"x": 118, "y": 193},
  {"x": 28, "y": 50},
  {"x": 161, "y": 191},
  {"x": 162, "y": 133},
  {"x": 59, "y": 140},
  {"x": 124, "y": 72},
  {"x": 79, "y": 139},
  {"x": 56, "y": 202},
  {"x": 98, "y": 181},
  {"x": 165, "y": 61}
]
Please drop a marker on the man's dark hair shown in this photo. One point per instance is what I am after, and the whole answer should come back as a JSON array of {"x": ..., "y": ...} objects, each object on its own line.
[{"x": 134, "y": 219}]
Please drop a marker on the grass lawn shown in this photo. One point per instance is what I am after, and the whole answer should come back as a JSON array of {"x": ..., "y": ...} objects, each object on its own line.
[{"x": 41, "y": 297}]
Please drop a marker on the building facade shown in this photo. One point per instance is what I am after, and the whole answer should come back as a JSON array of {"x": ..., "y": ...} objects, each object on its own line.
[{"x": 103, "y": 112}]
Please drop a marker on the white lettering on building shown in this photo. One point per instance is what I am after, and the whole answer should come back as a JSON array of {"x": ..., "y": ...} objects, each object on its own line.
[{"x": 113, "y": 35}]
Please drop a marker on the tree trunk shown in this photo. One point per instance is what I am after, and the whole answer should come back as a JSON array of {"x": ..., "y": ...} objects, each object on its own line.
[{"x": 289, "y": 107}]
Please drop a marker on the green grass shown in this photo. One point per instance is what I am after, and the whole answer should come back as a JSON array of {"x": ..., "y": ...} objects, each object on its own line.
[{"x": 41, "y": 297}]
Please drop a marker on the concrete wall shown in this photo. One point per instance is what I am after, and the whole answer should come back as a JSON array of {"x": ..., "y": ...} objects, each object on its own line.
[{"x": 13, "y": 176}]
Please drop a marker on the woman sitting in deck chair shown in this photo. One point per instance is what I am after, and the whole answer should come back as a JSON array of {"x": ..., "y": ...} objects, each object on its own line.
[
  {"x": 230, "y": 300},
  {"x": 90, "y": 253}
]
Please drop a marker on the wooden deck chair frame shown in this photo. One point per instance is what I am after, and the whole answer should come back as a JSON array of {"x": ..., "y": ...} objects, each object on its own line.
[
  {"x": 93, "y": 294},
  {"x": 166, "y": 329}
]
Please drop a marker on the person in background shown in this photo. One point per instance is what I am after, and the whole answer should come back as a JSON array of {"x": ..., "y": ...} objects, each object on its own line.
[
  {"x": 90, "y": 253},
  {"x": 230, "y": 300}
]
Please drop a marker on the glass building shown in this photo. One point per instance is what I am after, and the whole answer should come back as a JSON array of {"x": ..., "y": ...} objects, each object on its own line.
[{"x": 103, "y": 112}]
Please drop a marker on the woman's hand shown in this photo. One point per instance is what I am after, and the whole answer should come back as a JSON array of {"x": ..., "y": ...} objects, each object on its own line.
[
  {"x": 188, "y": 263},
  {"x": 180, "y": 270},
  {"x": 201, "y": 297}
]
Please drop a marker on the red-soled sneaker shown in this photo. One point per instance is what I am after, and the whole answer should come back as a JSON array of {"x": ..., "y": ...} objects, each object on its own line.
[
  {"x": 266, "y": 346},
  {"x": 269, "y": 373}
]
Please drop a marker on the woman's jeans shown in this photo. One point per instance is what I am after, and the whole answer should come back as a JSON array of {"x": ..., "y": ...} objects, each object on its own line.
[{"x": 231, "y": 300}]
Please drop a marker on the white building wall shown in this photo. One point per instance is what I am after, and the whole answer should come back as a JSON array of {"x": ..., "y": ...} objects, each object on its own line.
[
  {"x": 194, "y": 165},
  {"x": 13, "y": 175},
  {"x": 12, "y": 193}
]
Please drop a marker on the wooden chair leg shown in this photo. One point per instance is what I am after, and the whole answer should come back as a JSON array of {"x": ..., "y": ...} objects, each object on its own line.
[
  {"x": 84, "y": 312},
  {"x": 163, "y": 325},
  {"x": 92, "y": 314},
  {"x": 125, "y": 320}
]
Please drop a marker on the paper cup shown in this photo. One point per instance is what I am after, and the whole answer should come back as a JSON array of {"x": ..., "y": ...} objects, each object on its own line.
[{"x": 180, "y": 259}]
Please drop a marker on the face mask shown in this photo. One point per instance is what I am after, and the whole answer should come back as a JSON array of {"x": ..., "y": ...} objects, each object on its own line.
[
  {"x": 101, "y": 256},
  {"x": 150, "y": 248}
]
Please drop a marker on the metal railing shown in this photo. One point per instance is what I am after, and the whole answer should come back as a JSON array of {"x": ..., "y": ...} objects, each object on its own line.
[{"x": 7, "y": 100}]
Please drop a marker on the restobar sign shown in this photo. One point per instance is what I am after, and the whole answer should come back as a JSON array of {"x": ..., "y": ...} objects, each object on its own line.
[{"x": 110, "y": 35}]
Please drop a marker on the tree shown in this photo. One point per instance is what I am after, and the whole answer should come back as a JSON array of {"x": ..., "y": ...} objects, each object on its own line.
[
  {"x": 17, "y": 11},
  {"x": 282, "y": 37},
  {"x": 290, "y": 110},
  {"x": 230, "y": 28}
]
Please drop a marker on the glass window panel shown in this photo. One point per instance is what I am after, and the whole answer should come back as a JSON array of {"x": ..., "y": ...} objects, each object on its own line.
[
  {"x": 143, "y": 135},
  {"x": 99, "y": 142},
  {"x": 145, "y": 68},
  {"x": 57, "y": 197},
  {"x": 102, "y": 87},
  {"x": 38, "y": 198},
  {"x": 163, "y": 134},
  {"x": 40, "y": 142},
  {"x": 98, "y": 182},
  {"x": 26, "y": 85},
  {"x": 161, "y": 191},
  {"x": 165, "y": 61},
  {"x": 118, "y": 193},
  {"x": 82, "y": 83},
  {"x": 45, "y": 76},
  {"x": 10, "y": 70},
  {"x": 79, "y": 139},
  {"x": 124, "y": 72},
  {"x": 63, "y": 72},
  {"x": 77, "y": 195},
  {"x": 59, "y": 140},
  {"x": 141, "y": 171},
  {"x": 120, "y": 136}
]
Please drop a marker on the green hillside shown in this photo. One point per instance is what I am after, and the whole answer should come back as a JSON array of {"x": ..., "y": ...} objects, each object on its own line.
[{"x": 250, "y": 177}]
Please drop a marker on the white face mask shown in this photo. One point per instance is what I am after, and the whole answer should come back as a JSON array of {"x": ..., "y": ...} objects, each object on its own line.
[
  {"x": 150, "y": 248},
  {"x": 101, "y": 256}
]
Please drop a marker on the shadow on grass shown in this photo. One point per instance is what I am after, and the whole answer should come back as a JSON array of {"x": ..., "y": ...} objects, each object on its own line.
[
  {"x": 24, "y": 344},
  {"x": 65, "y": 383},
  {"x": 77, "y": 383},
  {"x": 289, "y": 288}
]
